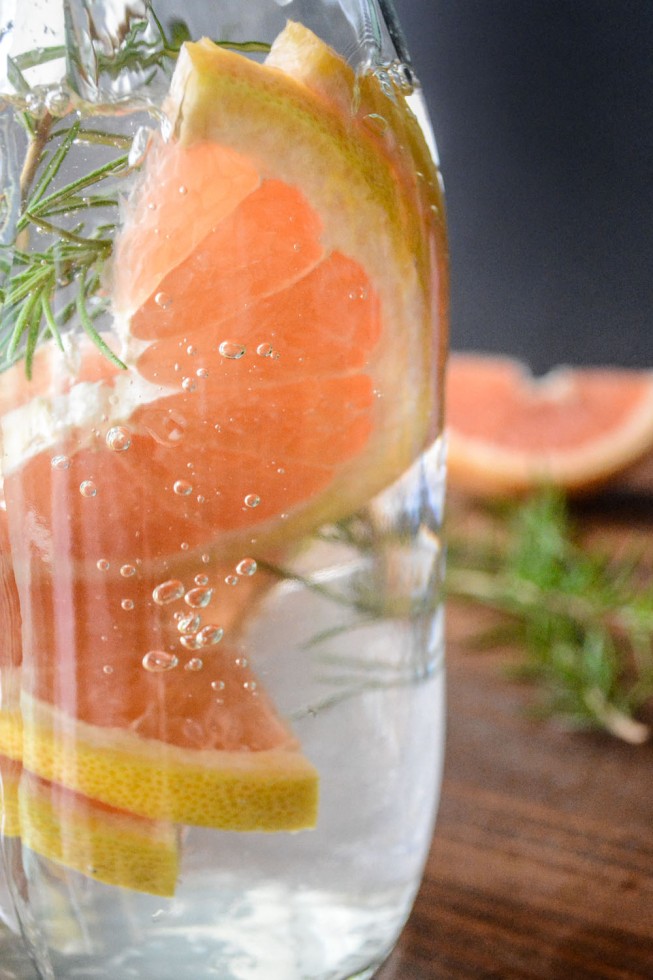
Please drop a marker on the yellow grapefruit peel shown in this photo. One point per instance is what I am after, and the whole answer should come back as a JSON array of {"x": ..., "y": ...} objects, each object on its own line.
[
  {"x": 114, "y": 848},
  {"x": 267, "y": 790},
  {"x": 9, "y": 816}
]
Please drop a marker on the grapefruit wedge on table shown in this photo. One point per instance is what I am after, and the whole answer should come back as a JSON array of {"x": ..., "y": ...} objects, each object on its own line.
[
  {"x": 273, "y": 293},
  {"x": 574, "y": 428}
]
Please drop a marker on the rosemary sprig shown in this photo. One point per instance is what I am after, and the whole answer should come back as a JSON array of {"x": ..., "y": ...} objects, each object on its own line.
[
  {"x": 74, "y": 255},
  {"x": 582, "y": 620}
]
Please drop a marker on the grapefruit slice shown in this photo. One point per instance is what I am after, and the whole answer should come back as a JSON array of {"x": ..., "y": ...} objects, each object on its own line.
[
  {"x": 102, "y": 843},
  {"x": 509, "y": 432},
  {"x": 97, "y": 841},
  {"x": 280, "y": 340},
  {"x": 136, "y": 703}
]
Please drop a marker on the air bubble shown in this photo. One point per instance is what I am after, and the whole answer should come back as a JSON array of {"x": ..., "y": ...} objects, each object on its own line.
[
  {"x": 402, "y": 77},
  {"x": 264, "y": 350},
  {"x": 118, "y": 438},
  {"x": 217, "y": 685},
  {"x": 202, "y": 373},
  {"x": 158, "y": 661},
  {"x": 107, "y": 669},
  {"x": 57, "y": 102},
  {"x": 201, "y": 579},
  {"x": 252, "y": 500},
  {"x": 188, "y": 384},
  {"x": 163, "y": 300},
  {"x": 191, "y": 642},
  {"x": 188, "y": 623},
  {"x": 168, "y": 592},
  {"x": 102, "y": 565},
  {"x": 246, "y": 567},
  {"x": 127, "y": 604},
  {"x": 232, "y": 350},
  {"x": 240, "y": 661},
  {"x": 249, "y": 685},
  {"x": 139, "y": 147},
  {"x": 194, "y": 664},
  {"x": 60, "y": 462},
  {"x": 210, "y": 635},
  {"x": 183, "y": 189},
  {"x": 198, "y": 598},
  {"x": 87, "y": 488},
  {"x": 206, "y": 559},
  {"x": 166, "y": 427},
  {"x": 182, "y": 488},
  {"x": 35, "y": 104},
  {"x": 376, "y": 122},
  {"x": 231, "y": 580},
  {"x": 127, "y": 571}
]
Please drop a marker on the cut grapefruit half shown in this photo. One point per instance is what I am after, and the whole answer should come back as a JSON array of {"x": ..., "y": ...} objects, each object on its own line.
[
  {"x": 573, "y": 428},
  {"x": 278, "y": 327}
]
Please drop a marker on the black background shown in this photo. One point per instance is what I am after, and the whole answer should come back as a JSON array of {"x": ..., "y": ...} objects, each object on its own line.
[{"x": 543, "y": 115}]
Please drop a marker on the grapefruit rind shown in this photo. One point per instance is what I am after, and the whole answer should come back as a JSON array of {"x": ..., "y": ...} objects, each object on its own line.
[
  {"x": 268, "y": 790},
  {"x": 9, "y": 815},
  {"x": 78, "y": 833},
  {"x": 400, "y": 131},
  {"x": 114, "y": 848},
  {"x": 551, "y": 406}
]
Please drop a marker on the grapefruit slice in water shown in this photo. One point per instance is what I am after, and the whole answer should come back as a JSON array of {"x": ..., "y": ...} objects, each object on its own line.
[{"x": 279, "y": 336}]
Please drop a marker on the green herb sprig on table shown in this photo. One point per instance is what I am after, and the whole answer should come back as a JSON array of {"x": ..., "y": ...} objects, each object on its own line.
[{"x": 582, "y": 620}]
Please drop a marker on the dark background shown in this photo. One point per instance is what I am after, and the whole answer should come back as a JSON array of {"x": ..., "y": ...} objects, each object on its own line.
[{"x": 543, "y": 115}]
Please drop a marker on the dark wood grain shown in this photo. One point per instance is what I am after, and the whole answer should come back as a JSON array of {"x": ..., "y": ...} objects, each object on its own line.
[{"x": 542, "y": 860}]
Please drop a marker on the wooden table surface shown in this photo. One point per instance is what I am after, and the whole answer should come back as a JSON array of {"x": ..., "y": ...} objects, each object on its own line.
[{"x": 542, "y": 859}]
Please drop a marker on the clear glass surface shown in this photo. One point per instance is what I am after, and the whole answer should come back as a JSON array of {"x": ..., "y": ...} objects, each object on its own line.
[{"x": 224, "y": 281}]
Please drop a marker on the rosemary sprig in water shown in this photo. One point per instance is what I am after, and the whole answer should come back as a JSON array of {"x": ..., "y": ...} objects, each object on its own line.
[
  {"x": 74, "y": 256},
  {"x": 582, "y": 620},
  {"x": 71, "y": 264}
]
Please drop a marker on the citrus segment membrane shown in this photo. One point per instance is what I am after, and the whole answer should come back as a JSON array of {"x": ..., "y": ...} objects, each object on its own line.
[
  {"x": 509, "y": 432},
  {"x": 266, "y": 242},
  {"x": 204, "y": 180}
]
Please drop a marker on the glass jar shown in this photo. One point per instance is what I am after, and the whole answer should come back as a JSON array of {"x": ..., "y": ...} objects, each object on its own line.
[{"x": 222, "y": 341}]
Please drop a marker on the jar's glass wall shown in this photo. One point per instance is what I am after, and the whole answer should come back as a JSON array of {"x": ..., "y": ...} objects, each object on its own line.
[{"x": 222, "y": 341}]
